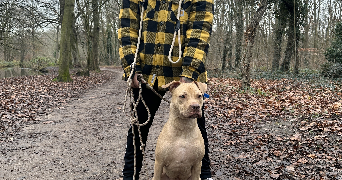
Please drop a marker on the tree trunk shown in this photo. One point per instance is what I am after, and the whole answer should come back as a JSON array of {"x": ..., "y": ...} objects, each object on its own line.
[
  {"x": 65, "y": 53},
  {"x": 225, "y": 52},
  {"x": 7, "y": 50},
  {"x": 296, "y": 38},
  {"x": 57, "y": 43},
  {"x": 249, "y": 39},
  {"x": 22, "y": 49},
  {"x": 74, "y": 44},
  {"x": 306, "y": 36},
  {"x": 96, "y": 34},
  {"x": 229, "y": 43},
  {"x": 61, "y": 11},
  {"x": 293, "y": 35},
  {"x": 285, "y": 66},
  {"x": 279, "y": 32},
  {"x": 109, "y": 46},
  {"x": 239, "y": 32},
  {"x": 315, "y": 24},
  {"x": 89, "y": 34},
  {"x": 116, "y": 56},
  {"x": 330, "y": 22}
]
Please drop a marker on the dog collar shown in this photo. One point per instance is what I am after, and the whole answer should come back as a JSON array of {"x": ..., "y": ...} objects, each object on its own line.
[{"x": 206, "y": 95}]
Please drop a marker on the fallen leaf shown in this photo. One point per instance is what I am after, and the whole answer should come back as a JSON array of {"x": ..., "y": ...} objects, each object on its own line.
[
  {"x": 312, "y": 156},
  {"x": 277, "y": 153},
  {"x": 48, "y": 122},
  {"x": 337, "y": 105},
  {"x": 275, "y": 176},
  {"x": 302, "y": 160},
  {"x": 290, "y": 168}
]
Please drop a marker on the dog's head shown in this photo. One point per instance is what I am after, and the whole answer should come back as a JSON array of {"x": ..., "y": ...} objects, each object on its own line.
[{"x": 187, "y": 98}]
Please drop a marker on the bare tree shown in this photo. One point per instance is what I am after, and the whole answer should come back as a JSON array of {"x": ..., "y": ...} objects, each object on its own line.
[
  {"x": 249, "y": 40},
  {"x": 239, "y": 31},
  {"x": 65, "y": 53}
]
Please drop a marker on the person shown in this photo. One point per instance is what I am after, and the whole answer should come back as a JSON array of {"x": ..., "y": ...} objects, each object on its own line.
[{"x": 163, "y": 40}]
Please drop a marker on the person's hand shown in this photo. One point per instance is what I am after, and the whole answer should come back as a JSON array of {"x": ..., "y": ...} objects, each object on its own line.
[
  {"x": 135, "y": 82},
  {"x": 185, "y": 80}
]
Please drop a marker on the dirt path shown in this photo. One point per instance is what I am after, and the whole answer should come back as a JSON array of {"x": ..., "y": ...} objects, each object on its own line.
[{"x": 84, "y": 140}]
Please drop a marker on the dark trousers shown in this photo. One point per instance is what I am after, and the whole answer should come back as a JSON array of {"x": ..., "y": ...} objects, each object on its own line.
[{"x": 153, "y": 102}]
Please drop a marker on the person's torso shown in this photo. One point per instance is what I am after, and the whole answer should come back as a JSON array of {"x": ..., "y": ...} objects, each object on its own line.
[{"x": 159, "y": 25}]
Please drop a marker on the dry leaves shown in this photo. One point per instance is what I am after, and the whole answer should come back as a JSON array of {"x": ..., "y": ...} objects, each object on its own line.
[
  {"x": 22, "y": 99},
  {"x": 280, "y": 129}
]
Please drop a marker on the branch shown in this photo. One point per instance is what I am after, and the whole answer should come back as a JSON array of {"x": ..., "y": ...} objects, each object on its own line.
[{"x": 254, "y": 23}]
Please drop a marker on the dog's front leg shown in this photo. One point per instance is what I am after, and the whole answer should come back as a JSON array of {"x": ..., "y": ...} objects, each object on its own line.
[
  {"x": 196, "y": 171},
  {"x": 158, "y": 170}
]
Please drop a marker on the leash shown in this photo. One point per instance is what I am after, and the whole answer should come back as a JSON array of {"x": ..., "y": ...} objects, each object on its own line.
[
  {"x": 129, "y": 91},
  {"x": 174, "y": 36},
  {"x": 177, "y": 30},
  {"x": 134, "y": 116},
  {"x": 141, "y": 80}
]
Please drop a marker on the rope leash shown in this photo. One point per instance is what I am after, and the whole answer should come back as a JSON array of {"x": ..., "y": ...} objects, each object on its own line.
[
  {"x": 134, "y": 121},
  {"x": 134, "y": 116},
  {"x": 174, "y": 37},
  {"x": 129, "y": 91},
  {"x": 140, "y": 79}
]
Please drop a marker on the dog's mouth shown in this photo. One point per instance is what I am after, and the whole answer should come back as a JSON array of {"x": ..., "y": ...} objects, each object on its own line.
[{"x": 194, "y": 114}]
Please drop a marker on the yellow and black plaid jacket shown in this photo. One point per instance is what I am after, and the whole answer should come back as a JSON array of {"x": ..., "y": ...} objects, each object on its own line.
[{"x": 159, "y": 24}]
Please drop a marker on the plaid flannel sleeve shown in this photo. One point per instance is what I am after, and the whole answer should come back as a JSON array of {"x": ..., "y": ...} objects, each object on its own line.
[
  {"x": 128, "y": 34},
  {"x": 198, "y": 33}
]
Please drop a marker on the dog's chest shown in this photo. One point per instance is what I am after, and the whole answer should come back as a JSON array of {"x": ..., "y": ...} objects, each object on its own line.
[{"x": 184, "y": 152}]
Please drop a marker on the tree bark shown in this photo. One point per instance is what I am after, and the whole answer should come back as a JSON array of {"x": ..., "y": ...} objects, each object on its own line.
[
  {"x": 116, "y": 45},
  {"x": 61, "y": 11},
  {"x": 65, "y": 53},
  {"x": 239, "y": 32},
  {"x": 285, "y": 66},
  {"x": 249, "y": 40},
  {"x": 225, "y": 52},
  {"x": 293, "y": 35},
  {"x": 306, "y": 36},
  {"x": 296, "y": 37},
  {"x": 279, "y": 32},
  {"x": 315, "y": 24},
  {"x": 22, "y": 48},
  {"x": 109, "y": 45},
  {"x": 96, "y": 35},
  {"x": 74, "y": 44}
]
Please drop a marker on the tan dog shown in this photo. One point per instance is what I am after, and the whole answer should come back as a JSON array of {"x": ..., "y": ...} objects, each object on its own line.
[{"x": 180, "y": 145}]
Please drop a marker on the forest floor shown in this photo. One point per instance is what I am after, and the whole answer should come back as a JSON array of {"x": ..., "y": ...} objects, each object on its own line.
[{"x": 280, "y": 129}]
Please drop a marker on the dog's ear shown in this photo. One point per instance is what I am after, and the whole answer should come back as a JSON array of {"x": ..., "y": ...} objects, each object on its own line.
[
  {"x": 202, "y": 86},
  {"x": 172, "y": 85}
]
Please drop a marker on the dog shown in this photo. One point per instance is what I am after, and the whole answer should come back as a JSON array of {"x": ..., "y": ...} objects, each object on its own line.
[{"x": 180, "y": 145}]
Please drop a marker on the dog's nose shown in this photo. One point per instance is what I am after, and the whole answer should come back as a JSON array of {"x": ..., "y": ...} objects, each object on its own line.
[{"x": 195, "y": 106}]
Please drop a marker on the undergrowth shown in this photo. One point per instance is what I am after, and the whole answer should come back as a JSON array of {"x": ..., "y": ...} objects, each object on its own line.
[{"x": 306, "y": 76}]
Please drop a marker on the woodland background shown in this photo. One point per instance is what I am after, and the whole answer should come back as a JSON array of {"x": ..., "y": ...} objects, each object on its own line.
[
  {"x": 292, "y": 35},
  {"x": 271, "y": 113}
]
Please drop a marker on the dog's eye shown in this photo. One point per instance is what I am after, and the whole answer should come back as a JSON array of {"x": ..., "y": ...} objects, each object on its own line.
[
  {"x": 182, "y": 96},
  {"x": 200, "y": 96}
]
